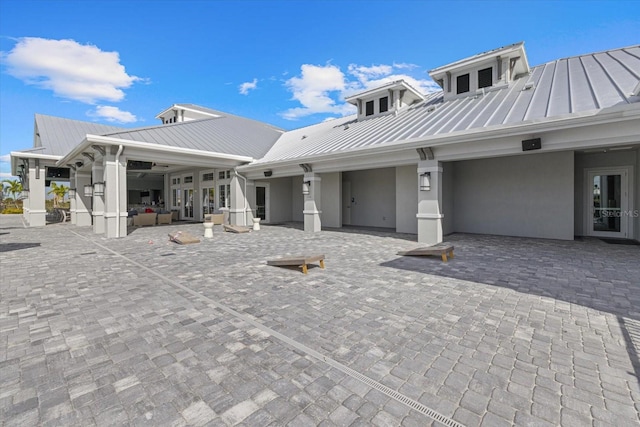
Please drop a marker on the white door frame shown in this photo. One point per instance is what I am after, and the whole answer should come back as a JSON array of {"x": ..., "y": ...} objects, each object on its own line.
[
  {"x": 626, "y": 205},
  {"x": 186, "y": 186},
  {"x": 266, "y": 186}
]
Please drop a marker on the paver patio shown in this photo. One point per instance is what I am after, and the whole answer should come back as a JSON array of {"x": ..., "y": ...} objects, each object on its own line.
[{"x": 141, "y": 331}]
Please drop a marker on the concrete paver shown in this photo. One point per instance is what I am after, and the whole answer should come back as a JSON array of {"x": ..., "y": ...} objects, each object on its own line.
[{"x": 141, "y": 331}]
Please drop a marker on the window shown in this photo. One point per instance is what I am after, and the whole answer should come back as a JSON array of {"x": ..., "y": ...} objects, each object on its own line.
[
  {"x": 369, "y": 108},
  {"x": 188, "y": 179},
  {"x": 485, "y": 77},
  {"x": 175, "y": 181},
  {"x": 224, "y": 194},
  {"x": 207, "y": 176},
  {"x": 224, "y": 175},
  {"x": 384, "y": 104},
  {"x": 462, "y": 83}
]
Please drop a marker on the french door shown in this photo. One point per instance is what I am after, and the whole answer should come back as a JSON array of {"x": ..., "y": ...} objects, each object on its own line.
[{"x": 607, "y": 202}]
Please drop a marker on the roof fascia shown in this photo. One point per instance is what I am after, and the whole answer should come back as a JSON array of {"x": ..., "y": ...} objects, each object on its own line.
[
  {"x": 475, "y": 59},
  {"x": 392, "y": 85},
  {"x": 182, "y": 107},
  {"x": 17, "y": 155},
  {"x": 145, "y": 146}
]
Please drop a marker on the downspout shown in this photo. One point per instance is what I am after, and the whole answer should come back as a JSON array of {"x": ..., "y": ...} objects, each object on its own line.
[
  {"x": 120, "y": 149},
  {"x": 244, "y": 216}
]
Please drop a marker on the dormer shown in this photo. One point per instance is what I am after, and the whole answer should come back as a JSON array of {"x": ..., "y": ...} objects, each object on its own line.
[
  {"x": 185, "y": 112},
  {"x": 486, "y": 71},
  {"x": 386, "y": 99}
]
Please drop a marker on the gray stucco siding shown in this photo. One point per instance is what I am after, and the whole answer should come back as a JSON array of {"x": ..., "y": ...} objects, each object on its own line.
[{"x": 529, "y": 195}]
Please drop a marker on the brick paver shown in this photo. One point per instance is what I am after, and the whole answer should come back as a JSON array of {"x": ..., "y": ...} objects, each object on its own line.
[{"x": 141, "y": 331}]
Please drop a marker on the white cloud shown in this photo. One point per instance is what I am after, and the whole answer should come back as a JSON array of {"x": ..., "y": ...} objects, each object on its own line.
[
  {"x": 112, "y": 114},
  {"x": 363, "y": 73},
  {"x": 71, "y": 70},
  {"x": 314, "y": 89},
  {"x": 5, "y": 158},
  {"x": 322, "y": 89},
  {"x": 7, "y": 175},
  {"x": 248, "y": 86}
]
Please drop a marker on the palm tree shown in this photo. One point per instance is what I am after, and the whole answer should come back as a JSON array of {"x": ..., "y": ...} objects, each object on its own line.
[
  {"x": 58, "y": 191},
  {"x": 13, "y": 187}
]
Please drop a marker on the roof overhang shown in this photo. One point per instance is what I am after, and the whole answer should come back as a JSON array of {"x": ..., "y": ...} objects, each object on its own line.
[
  {"x": 156, "y": 152},
  {"x": 466, "y": 139},
  {"x": 177, "y": 107},
  {"x": 17, "y": 156},
  {"x": 411, "y": 93},
  {"x": 515, "y": 51}
]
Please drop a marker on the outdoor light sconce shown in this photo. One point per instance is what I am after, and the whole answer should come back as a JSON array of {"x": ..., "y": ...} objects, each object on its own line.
[
  {"x": 268, "y": 173},
  {"x": 88, "y": 190},
  {"x": 425, "y": 181},
  {"x": 72, "y": 193},
  {"x": 306, "y": 187},
  {"x": 98, "y": 188}
]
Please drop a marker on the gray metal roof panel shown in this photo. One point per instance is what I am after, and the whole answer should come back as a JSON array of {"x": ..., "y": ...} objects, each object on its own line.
[
  {"x": 225, "y": 134},
  {"x": 58, "y": 136},
  {"x": 562, "y": 87}
]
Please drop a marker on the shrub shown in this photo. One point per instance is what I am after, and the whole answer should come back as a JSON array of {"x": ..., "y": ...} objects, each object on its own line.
[{"x": 11, "y": 211}]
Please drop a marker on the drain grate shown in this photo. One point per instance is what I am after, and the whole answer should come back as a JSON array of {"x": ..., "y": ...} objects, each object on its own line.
[{"x": 413, "y": 404}]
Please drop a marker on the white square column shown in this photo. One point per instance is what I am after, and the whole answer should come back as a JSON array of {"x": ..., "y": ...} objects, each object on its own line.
[
  {"x": 96, "y": 202},
  {"x": 237, "y": 202},
  {"x": 251, "y": 198},
  {"x": 81, "y": 203},
  {"x": 37, "y": 216},
  {"x": 72, "y": 200},
  {"x": 115, "y": 193},
  {"x": 429, "y": 202},
  {"x": 312, "y": 191}
]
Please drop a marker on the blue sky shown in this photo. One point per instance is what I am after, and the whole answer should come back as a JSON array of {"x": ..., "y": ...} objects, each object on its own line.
[{"x": 288, "y": 63}]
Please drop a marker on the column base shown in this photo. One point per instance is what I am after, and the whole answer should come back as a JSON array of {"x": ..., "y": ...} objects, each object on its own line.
[
  {"x": 312, "y": 223},
  {"x": 430, "y": 228}
]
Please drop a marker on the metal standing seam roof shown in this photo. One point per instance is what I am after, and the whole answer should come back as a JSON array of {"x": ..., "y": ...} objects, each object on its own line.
[
  {"x": 562, "y": 87},
  {"x": 58, "y": 136},
  {"x": 225, "y": 134}
]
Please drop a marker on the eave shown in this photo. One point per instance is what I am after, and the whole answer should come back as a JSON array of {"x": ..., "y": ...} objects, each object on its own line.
[{"x": 177, "y": 154}]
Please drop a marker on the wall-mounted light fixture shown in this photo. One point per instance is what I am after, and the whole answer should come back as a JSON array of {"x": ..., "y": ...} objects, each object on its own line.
[
  {"x": 72, "y": 193},
  {"x": 268, "y": 173},
  {"x": 98, "y": 188},
  {"x": 306, "y": 187},
  {"x": 88, "y": 190},
  {"x": 425, "y": 181}
]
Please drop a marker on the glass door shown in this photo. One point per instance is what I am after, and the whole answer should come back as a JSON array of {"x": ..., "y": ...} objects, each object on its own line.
[
  {"x": 262, "y": 202},
  {"x": 188, "y": 203},
  {"x": 208, "y": 200},
  {"x": 608, "y": 203}
]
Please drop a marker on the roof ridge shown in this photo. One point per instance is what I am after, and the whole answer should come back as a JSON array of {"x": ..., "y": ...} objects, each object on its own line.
[
  {"x": 143, "y": 128},
  {"x": 604, "y": 51}
]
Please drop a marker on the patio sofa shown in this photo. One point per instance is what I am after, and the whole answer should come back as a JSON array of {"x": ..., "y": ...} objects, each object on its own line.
[
  {"x": 164, "y": 218},
  {"x": 217, "y": 219},
  {"x": 143, "y": 219}
]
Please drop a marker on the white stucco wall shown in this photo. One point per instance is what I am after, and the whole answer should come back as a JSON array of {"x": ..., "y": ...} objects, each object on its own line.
[
  {"x": 636, "y": 206},
  {"x": 374, "y": 197},
  {"x": 447, "y": 197},
  {"x": 280, "y": 199},
  {"x": 297, "y": 199},
  {"x": 407, "y": 199},
  {"x": 601, "y": 160},
  {"x": 529, "y": 195},
  {"x": 331, "y": 200}
]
